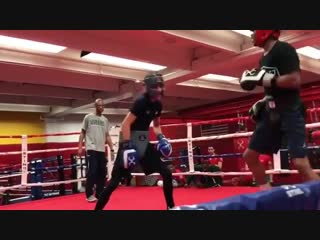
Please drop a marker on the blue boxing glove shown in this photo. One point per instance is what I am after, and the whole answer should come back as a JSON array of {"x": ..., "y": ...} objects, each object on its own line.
[
  {"x": 163, "y": 146},
  {"x": 129, "y": 155}
]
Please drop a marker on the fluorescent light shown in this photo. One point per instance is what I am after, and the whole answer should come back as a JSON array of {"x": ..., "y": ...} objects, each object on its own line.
[
  {"x": 23, "y": 44},
  {"x": 309, "y": 52},
  {"x": 247, "y": 33},
  {"x": 122, "y": 62},
  {"x": 215, "y": 77}
]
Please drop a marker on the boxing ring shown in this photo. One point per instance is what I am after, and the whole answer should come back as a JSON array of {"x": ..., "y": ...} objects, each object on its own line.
[{"x": 70, "y": 175}]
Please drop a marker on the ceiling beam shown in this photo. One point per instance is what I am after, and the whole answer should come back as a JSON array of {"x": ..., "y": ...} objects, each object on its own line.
[
  {"x": 54, "y": 77},
  {"x": 73, "y": 64},
  {"x": 201, "y": 93},
  {"x": 232, "y": 86},
  {"x": 309, "y": 64},
  {"x": 22, "y": 89},
  {"x": 107, "y": 111},
  {"x": 219, "y": 39},
  {"x": 62, "y": 111},
  {"x": 220, "y": 62},
  {"x": 110, "y": 42},
  {"x": 42, "y": 101},
  {"x": 250, "y": 55},
  {"x": 4, "y": 107}
]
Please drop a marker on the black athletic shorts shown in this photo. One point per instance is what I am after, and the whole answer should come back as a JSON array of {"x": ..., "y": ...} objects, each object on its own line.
[{"x": 292, "y": 129}]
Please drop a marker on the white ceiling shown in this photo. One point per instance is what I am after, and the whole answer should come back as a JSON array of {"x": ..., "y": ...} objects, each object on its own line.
[{"x": 64, "y": 83}]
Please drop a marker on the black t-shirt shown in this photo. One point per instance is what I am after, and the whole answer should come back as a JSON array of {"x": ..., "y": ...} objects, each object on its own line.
[
  {"x": 145, "y": 111},
  {"x": 282, "y": 59}
]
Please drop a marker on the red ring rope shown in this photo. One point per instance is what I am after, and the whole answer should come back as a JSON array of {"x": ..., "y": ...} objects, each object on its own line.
[{"x": 217, "y": 121}]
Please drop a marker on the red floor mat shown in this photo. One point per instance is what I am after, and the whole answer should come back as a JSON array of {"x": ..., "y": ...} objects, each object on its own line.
[{"x": 133, "y": 198}]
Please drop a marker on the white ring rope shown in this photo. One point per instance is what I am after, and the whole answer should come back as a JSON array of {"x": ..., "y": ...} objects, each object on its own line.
[
  {"x": 216, "y": 137},
  {"x": 191, "y": 172},
  {"x": 271, "y": 172},
  {"x": 155, "y": 174},
  {"x": 45, "y": 169},
  {"x": 10, "y": 175},
  {"x": 2, "y": 189}
]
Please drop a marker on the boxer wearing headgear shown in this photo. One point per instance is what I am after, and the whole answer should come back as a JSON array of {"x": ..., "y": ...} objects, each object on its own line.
[
  {"x": 135, "y": 148},
  {"x": 280, "y": 115}
]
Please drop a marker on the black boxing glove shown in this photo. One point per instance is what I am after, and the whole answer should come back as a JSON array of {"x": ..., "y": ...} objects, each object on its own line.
[{"x": 255, "y": 110}]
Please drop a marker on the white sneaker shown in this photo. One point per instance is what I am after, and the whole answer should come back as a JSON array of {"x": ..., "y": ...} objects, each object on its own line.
[
  {"x": 92, "y": 199},
  {"x": 171, "y": 208}
]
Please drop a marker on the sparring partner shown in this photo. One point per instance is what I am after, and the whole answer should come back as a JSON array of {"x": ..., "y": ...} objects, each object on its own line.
[
  {"x": 95, "y": 132},
  {"x": 281, "y": 112},
  {"x": 135, "y": 148}
]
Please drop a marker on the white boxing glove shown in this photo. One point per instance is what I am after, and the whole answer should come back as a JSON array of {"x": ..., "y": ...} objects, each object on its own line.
[{"x": 255, "y": 77}]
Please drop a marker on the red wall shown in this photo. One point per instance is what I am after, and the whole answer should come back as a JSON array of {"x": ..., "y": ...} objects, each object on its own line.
[
  {"x": 310, "y": 94},
  {"x": 230, "y": 109}
]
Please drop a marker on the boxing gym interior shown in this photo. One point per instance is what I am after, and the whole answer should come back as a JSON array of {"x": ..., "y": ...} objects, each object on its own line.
[{"x": 50, "y": 80}]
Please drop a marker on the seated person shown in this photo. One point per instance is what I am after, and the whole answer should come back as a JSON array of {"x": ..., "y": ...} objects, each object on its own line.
[{"x": 213, "y": 164}]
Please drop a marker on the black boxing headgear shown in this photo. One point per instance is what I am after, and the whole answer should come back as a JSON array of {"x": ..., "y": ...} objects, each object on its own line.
[
  {"x": 261, "y": 36},
  {"x": 152, "y": 82}
]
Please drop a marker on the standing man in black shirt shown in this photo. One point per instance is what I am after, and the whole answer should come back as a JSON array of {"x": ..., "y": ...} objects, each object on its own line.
[
  {"x": 135, "y": 148},
  {"x": 281, "y": 113}
]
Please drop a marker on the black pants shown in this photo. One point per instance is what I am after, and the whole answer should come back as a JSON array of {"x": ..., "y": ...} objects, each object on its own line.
[
  {"x": 126, "y": 180},
  {"x": 150, "y": 163},
  {"x": 96, "y": 172},
  {"x": 205, "y": 181}
]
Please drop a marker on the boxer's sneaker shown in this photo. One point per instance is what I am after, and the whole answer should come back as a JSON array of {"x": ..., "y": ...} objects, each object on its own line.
[{"x": 91, "y": 199}]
